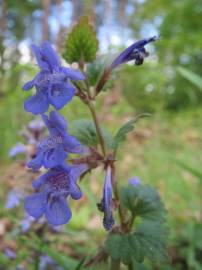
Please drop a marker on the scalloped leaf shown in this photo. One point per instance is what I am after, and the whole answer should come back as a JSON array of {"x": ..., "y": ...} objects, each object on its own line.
[
  {"x": 148, "y": 241},
  {"x": 143, "y": 201},
  {"x": 81, "y": 43}
]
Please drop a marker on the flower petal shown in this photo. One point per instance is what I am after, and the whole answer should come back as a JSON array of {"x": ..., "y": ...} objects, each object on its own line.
[
  {"x": 53, "y": 157},
  {"x": 36, "y": 104},
  {"x": 72, "y": 145},
  {"x": 37, "y": 183},
  {"x": 125, "y": 56},
  {"x": 60, "y": 94},
  {"x": 36, "y": 162},
  {"x": 55, "y": 123},
  {"x": 108, "y": 220},
  {"x": 58, "y": 120},
  {"x": 73, "y": 74},
  {"x": 50, "y": 55},
  {"x": 75, "y": 173},
  {"x": 28, "y": 85},
  {"x": 75, "y": 191},
  {"x": 77, "y": 170},
  {"x": 39, "y": 58},
  {"x": 57, "y": 211},
  {"x": 35, "y": 204}
]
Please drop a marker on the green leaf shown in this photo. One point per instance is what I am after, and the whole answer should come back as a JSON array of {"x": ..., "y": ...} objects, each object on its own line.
[
  {"x": 125, "y": 129},
  {"x": 85, "y": 131},
  {"x": 143, "y": 201},
  {"x": 149, "y": 238},
  {"x": 192, "y": 77},
  {"x": 149, "y": 241},
  {"x": 81, "y": 43}
]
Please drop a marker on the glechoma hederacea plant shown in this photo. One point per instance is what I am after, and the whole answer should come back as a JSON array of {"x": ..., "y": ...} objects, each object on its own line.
[{"x": 133, "y": 215}]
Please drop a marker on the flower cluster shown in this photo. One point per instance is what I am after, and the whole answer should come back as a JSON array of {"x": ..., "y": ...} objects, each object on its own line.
[
  {"x": 52, "y": 189},
  {"x": 52, "y": 83},
  {"x": 59, "y": 183}
]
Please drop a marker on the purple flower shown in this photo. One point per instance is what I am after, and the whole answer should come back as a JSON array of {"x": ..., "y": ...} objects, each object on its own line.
[
  {"x": 52, "y": 189},
  {"x": 52, "y": 83},
  {"x": 26, "y": 222},
  {"x": 106, "y": 203},
  {"x": 134, "y": 181},
  {"x": 19, "y": 148},
  {"x": 135, "y": 52},
  {"x": 54, "y": 149},
  {"x": 13, "y": 199},
  {"x": 10, "y": 253},
  {"x": 45, "y": 262}
]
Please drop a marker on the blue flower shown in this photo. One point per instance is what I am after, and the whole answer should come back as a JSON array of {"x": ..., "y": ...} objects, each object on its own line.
[
  {"x": 52, "y": 189},
  {"x": 14, "y": 198},
  {"x": 135, "y": 52},
  {"x": 134, "y": 181},
  {"x": 52, "y": 83},
  {"x": 11, "y": 254},
  {"x": 54, "y": 149},
  {"x": 26, "y": 222},
  {"x": 106, "y": 203},
  {"x": 46, "y": 262},
  {"x": 19, "y": 148}
]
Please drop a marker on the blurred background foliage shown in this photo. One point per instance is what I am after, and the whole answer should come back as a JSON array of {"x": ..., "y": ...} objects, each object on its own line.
[{"x": 166, "y": 147}]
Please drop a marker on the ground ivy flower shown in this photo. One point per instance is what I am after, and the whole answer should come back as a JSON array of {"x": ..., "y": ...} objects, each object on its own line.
[
  {"x": 54, "y": 149},
  {"x": 52, "y": 83},
  {"x": 134, "y": 181},
  {"x": 26, "y": 222},
  {"x": 135, "y": 52},
  {"x": 10, "y": 253},
  {"x": 14, "y": 198},
  {"x": 53, "y": 188},
  {"x": 106, "y": 203},
  {"x": 19, "y": 148}
]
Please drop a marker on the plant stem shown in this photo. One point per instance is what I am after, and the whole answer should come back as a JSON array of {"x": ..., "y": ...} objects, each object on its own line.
[
  {"x": 130, "y": 266},
  {"x": 97, "y": 126},
  {"x": 115, "y": 264},
  {"x": 93, "y": 112}
]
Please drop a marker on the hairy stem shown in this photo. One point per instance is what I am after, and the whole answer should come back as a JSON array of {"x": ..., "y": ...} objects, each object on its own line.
[
  {"x": 97, "y": 126},
  {"x": 104, "y": 78}
]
